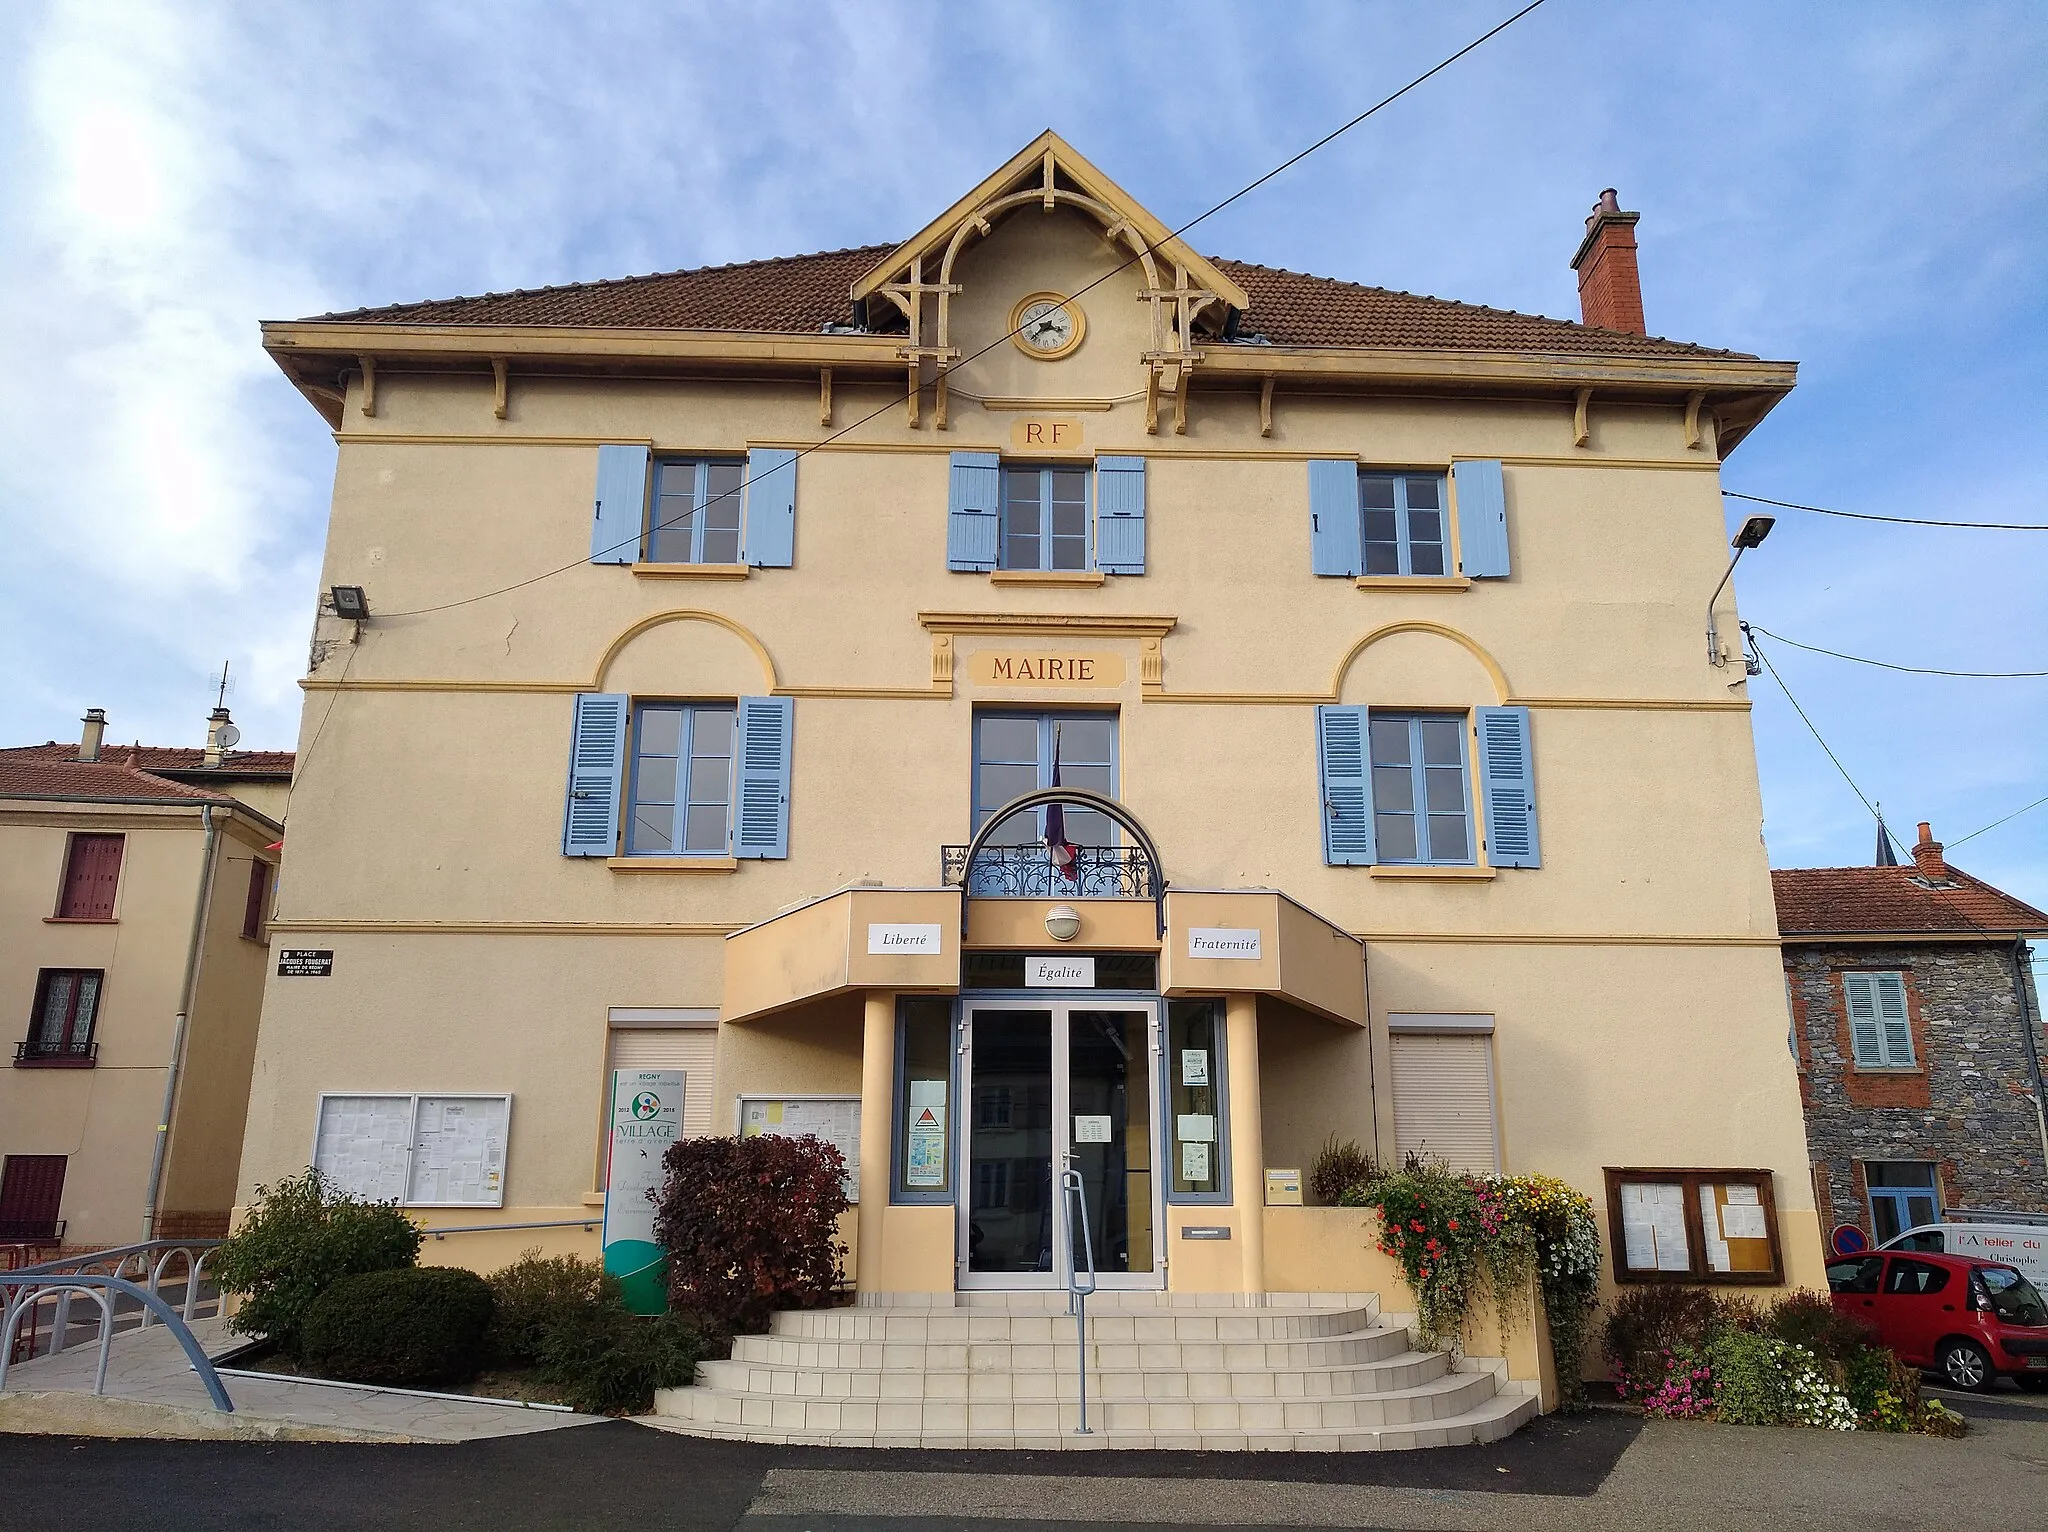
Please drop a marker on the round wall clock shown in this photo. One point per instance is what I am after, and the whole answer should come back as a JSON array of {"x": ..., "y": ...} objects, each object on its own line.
[{"x": 1047, "y": 325}]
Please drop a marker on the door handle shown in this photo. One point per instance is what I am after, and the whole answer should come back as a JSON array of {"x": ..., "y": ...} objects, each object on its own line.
[
  {"x": 1948, "y": 1308},
  {"x": 1870, "y": 1303}
]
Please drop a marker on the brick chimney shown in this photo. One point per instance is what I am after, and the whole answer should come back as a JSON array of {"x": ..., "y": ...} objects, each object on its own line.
[
  {"x": 93, "y": 735},
  {"x": 1610, "y": 289},
  {"x": 1927, "y": 856}
]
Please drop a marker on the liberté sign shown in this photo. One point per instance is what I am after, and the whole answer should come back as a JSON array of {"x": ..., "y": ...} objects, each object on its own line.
[
  {"x": 1044, "y": 667},
  {"x": 893, "y": 940}
]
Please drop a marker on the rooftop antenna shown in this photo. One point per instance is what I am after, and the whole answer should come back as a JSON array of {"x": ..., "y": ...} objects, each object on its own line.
[{"x": 223, "y": 683}]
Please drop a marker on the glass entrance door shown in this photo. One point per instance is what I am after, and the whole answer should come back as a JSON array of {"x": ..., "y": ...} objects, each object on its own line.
[{"x": 1048, "y": 1086}]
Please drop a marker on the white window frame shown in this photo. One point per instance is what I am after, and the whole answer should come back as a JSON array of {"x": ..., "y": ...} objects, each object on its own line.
[{"x": 413, "y": 1100}]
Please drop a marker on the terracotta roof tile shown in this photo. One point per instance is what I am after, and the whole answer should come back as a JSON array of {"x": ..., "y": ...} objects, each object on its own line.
[
  {"x": 27, "y": 777},
  {"x": 801, "y": 294},
  {"x": 179, "y": 758},
  {"x": 1870, "y": 901}
]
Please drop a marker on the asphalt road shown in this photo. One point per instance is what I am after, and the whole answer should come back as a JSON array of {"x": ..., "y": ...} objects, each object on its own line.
[{"x": 621, "y": 1475}]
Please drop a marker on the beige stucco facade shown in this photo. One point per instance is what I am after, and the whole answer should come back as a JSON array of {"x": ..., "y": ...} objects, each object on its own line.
[
  {"x": 173, "y": 946},
  {"x": 1632, "y": 979}
]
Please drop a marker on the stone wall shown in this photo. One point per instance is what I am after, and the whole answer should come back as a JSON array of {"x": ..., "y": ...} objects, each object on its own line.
[{"x": 1967, "y": 1104}]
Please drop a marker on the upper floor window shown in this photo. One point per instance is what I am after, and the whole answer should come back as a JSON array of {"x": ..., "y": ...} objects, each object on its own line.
[
  {"x": 67, "y": 1005},
  {"x": 694, "y": 515},
  {"x": 1402, "y": 523},
  {"x": 1017, "y": 753},
  {"x": 92, "y": 874},
  {"x": 681, "y": 792},
  {"x": 1421, "y": 790},
  {"x": 1045, "y": 518},
  {"x": 1880, "y": 1032}
]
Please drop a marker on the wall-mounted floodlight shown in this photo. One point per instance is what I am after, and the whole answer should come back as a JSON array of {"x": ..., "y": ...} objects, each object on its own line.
[
  {"x": 349, "y": 601},
  {"x": 1753, "y": 532}
]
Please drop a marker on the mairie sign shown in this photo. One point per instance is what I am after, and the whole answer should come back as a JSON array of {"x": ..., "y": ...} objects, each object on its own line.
[{"x": 1029, "y": 666}]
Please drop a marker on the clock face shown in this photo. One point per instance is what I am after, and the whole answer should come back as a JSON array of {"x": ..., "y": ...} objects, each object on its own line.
[{"x": 1047, "y": 325}]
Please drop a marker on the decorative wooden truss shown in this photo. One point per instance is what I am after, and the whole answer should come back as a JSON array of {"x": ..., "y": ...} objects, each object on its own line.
[{"x": 1197, "y": 299}]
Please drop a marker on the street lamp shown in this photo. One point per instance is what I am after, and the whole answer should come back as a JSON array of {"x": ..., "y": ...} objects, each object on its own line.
[{"x": 1753, "y": 532}]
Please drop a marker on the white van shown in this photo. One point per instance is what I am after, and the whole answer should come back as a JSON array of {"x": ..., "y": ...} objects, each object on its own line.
[{"x": 2024, "y": 1245}]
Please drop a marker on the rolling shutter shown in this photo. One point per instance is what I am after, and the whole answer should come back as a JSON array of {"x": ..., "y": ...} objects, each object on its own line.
[
  {"x": 1507, "y": 775},
  {"x": 1482, "y": 519},
  {"x": 1333, "y": 532},
  {"x": 760, "y": 827},
  {"x": 972, "y": 518},
  {"x": 1443, "y": 1100},
  {"x": 597, "y": 762},
  {"x": 1120, "y": 515},
  {"x": 693, "y": 1050},
  {"x": 621, "y": 505},
  {"x": 1346, "y": 789},
  {"x": 771, "y": 509}
]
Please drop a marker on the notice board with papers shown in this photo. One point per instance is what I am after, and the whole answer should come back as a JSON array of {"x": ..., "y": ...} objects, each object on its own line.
[
  {"x": 422, "y": 1151},
  {"x": 835, "y": 1119}
]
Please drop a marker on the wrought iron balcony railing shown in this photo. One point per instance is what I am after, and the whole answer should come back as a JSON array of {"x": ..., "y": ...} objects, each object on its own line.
[
  {"x": 1027, "y": 872},
  {"x": 34, "y": 1053}
]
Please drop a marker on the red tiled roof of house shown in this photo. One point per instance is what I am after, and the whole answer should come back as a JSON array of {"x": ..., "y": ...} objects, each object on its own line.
[
  {"x": 178, "y": 758},
  {"x": 802, "y": 294},
  {"x": 27, "y": 776},
  {"x": 1875, "y": 901}
]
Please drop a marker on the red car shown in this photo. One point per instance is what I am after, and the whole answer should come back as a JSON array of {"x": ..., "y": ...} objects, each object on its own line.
[{"x": 1970, "y": 1321}]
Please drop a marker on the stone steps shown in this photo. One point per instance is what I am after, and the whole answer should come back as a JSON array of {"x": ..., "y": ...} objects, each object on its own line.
[{"x": 1265, "y": 1373}]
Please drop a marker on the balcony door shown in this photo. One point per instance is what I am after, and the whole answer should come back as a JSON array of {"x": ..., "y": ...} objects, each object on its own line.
[
  {"x": 1018, "y": 753},
  {"x": 1051, "y": 1085}
]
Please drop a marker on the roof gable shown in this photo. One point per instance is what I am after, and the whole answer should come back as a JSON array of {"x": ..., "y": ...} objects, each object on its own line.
[{"x": 1051, "y": 169}]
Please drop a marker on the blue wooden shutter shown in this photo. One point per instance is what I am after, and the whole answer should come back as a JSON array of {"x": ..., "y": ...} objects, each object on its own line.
[
  {"x": 1120, "y": 515},
  {"x": 760, "y": 820},
  {"x": 597, "y": 767},
  {"x": 1890, "y": 990},
  {"x": 621, "y": 505},
  {"x": 1507, "y": 776},
  {"x": 770, "y": 537},
  {"x": 1333, "y": 538},
  {"x": 1347, "y": 787},
  {"x": 1482, "y": 519},
  {"x": 971, "y": 511}
]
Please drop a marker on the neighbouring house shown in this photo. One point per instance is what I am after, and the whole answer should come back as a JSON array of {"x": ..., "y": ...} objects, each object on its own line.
[
  {"x": 135, "y": 887},
  {"x": 1919, "y": 1038},
  {"x": 1030, "y": 696}
]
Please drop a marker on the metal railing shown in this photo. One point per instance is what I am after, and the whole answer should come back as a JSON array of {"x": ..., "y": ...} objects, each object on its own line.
[
  {"x": 143, "y": 1267},
  {"x": 82, "y": 1055},
  {"x": 585, "y": 1224},
  {"x": 1027, "y": 872},
  {"x": 1074, "y": 1193},
  {"x": 98, "y": 1275}
]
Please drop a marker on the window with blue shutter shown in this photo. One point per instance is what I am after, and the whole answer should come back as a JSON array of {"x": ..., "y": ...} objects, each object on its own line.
[
  {"x": 762, "y": 777},
  {"x": 1346, "y": 799},
  {"x": 1402, "y": 523},
  {"x": 771, "y": 508},
  {"x": 1880, "y": 1031},
  {"x": 1120, "y": 515},
  {"x": 1045, "y": 518},
  {"x": 1482, "y": 519},
  {"x": 973, "y": 511},
  {"x": 1420, "y": 789},
  {"x": 696, "y": 511},
  {"x": 680, "y": 797},
  {"x": 597, "y": 759},
  {"x": 1333, "y": 517},
  {"x": 620, "y": 504},
  {"x": 1507, "y": 776}
]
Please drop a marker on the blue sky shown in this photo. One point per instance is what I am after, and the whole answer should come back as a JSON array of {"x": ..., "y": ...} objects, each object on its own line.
[{"x": 1862, "y": 189}]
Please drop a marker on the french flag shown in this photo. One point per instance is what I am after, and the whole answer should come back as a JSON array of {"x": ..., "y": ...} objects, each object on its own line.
[{"x": 1057, "y": 846}]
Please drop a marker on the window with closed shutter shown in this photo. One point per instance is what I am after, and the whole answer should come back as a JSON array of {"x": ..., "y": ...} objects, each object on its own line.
[
  {"x": 92, "y": 873},
  {"x": 1443, "y": 1100},
  {"x": 690, "y": 1049},
  {"x": 1880, "y": 1033},
  {"x": 31, "y": 1196},
  {"x": 257, "y": 911}
]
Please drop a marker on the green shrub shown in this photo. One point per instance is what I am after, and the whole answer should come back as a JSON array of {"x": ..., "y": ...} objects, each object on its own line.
[
  {"x": 1883, "y": 1391},
  {"x": 1811, "y": 1320},
  {"x": 414, "y": 1327},
  {"x": 607, "y": 1361},
  {"x": 1338, "y": 1169},
  {"x": 300, "y": 1238},
  {"x": 1933, "y": 1418},
  {"x": 751, "y": 1225},
  {"x": 536, "y": 1294},
  {"x": 1760, "y": 1380},
  {"x": 1649, "y": 1325}
]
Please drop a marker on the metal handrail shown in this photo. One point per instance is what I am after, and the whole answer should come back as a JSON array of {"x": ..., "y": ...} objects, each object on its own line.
[
  {"x": 1073, "y": 1192},
  {"x": 150, "y": 1259},
  {"x": 493, "y": 1228},
  {"x": 25, "y": 1290}
]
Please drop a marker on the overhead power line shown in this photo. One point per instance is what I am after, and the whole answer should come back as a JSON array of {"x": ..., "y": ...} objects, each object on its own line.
[
  {"x": 1815, "y": 732},
  {"x": 1911, "y": 670},
  {"x": 1997, "y": 822},
  {"x": 1242, "y": 191},
  {"x": 1904, "y": 521}
]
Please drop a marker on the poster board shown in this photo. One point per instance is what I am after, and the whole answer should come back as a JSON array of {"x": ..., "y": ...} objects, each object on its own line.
[
  {"x": 420, "y": 1151},
  {"x": 835, "y": 1119}
]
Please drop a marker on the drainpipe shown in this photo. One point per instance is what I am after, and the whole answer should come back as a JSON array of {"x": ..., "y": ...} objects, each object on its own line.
[
  {"x": 2019, "y": 980},
  {"x": 186, "y": 993}
]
